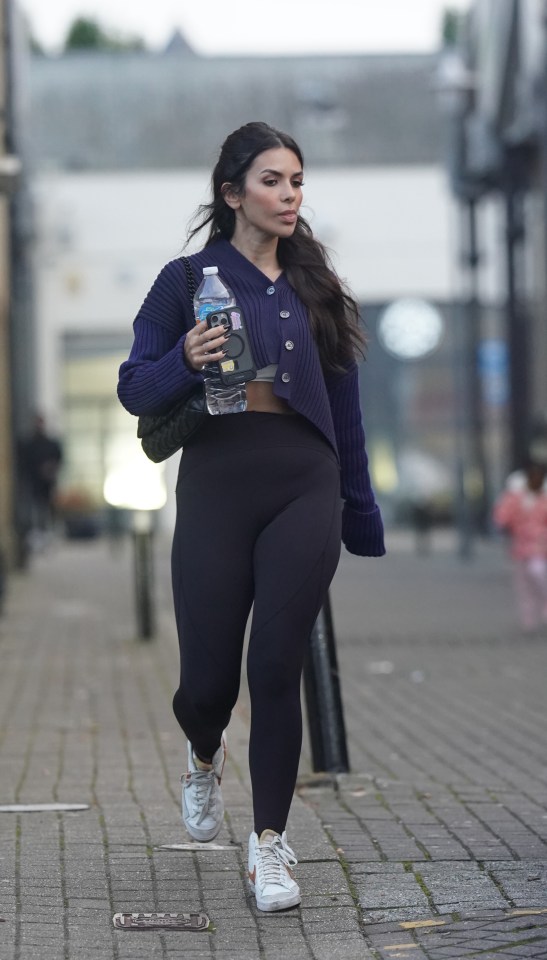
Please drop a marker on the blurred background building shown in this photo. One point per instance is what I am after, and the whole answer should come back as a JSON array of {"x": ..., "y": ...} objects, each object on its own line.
[
  {"x": 426, "y": 176},
  {"x": 17, "y": 385},
  {"x": 493, "y": 89},
  {"x": 123, "y": 149}
]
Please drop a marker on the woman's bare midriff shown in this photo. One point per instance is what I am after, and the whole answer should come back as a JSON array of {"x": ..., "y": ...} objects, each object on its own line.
[{"x": 262, "y": 399}]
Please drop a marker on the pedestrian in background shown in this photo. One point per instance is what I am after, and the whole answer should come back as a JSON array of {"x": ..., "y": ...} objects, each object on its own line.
[
  {"x": 521, "y": 511},
  {"x": 259, "y": 494},
  {"x": 41, "y": 456}
]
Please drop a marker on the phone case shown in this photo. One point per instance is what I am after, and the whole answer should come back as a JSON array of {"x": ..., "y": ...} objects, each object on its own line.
[{"x": 238, "y": 365}]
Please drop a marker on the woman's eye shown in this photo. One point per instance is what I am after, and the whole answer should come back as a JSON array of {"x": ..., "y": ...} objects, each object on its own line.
[
  {"x": 270, "y": 183},
  {"x": 298, "y": 183}
]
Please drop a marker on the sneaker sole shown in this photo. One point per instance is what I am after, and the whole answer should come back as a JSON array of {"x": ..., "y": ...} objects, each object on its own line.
[
  {"x": 270, "y": 906},
  {"x": 202, "y": 837}
]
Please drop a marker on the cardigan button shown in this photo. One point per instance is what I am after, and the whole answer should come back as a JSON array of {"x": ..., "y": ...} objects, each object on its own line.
[
  {"x": 285, "y": 377},
  {"x": 289, "y": 345},
  {"x": 284, "y": 314},
  {"x": 270, "y": 290}
]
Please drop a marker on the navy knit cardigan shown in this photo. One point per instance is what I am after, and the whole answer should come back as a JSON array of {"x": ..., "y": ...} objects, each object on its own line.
[{"x": 156, "y": 374}]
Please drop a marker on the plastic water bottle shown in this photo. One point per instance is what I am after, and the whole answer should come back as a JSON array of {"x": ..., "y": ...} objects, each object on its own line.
[{"x": 212, "y": 295}]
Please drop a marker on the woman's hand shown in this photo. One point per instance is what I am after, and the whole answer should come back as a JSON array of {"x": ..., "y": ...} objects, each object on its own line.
[{"x": 203, "y": 345}]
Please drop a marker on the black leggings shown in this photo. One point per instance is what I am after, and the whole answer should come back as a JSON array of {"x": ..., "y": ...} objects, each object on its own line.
[{"x": 258, "y": 524}]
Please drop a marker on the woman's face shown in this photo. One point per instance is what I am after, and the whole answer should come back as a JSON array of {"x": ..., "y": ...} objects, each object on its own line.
[{"x": 272, "y": 196}]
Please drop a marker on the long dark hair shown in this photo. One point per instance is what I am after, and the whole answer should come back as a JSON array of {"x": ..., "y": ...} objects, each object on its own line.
[{"x": 333, "y": 312}]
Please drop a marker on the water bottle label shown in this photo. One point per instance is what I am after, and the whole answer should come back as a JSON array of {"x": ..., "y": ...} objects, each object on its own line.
[
  {"x": 227, "y": 366},
  {"x": 204, "y": 309}
]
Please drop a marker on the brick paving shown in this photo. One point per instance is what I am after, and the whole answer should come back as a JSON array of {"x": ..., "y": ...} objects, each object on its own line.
[{"x": 434, "y": 846}]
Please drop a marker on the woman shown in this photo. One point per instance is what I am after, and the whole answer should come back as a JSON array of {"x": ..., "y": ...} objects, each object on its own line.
[{"x": 259, "y": 494}]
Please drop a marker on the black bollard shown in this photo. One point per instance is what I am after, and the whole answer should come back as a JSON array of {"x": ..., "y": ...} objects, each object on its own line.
[
  {"x": 326, "y": 725},
  {"x": 144, "y": 574}
]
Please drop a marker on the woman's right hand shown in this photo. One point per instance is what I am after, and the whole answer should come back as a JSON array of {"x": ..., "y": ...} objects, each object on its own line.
[{"x": 202, "y": 345}]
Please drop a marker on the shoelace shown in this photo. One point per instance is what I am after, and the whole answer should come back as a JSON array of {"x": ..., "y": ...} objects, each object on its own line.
[
  {"x": 203, "y": 782},
  {"x": 276, "y": 856}
]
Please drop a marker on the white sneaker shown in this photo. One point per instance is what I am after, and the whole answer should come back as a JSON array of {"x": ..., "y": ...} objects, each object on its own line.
[
  {"x": 202, "y": 803},
  {"x": 270, "y": 876}
]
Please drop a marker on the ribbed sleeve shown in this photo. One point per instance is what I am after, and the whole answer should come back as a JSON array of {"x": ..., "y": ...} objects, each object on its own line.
[
  {"x": 362, "y": 527},
  {"x": 155, "y": 375}
]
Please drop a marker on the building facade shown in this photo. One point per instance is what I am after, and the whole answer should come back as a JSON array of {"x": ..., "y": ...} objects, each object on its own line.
[
  {"x": 499, "y": 159},
  {"x": 12, "y": 53},
  {"x": 123, "y": 149}
]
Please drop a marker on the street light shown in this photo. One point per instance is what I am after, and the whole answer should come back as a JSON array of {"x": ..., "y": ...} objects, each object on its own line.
[
  {"x": 410, "y": 328},
  {"x": 456, "y": 85}
]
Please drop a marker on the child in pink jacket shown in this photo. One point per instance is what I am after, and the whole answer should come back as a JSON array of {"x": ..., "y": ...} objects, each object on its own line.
[{"x": 521, "y": 510}]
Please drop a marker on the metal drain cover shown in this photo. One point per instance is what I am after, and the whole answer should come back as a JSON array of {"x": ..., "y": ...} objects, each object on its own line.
[
  {"x": 196, "y": 845},
  {"x": 195, "y": 922},
  {"x": 42, "y": 807}
]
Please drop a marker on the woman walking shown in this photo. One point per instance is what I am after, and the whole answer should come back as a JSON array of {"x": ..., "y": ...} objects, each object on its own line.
[{"x": 264, "y": 497}]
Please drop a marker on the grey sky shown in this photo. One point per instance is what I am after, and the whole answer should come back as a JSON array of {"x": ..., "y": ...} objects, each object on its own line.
[{"x": 257, "y": 26}]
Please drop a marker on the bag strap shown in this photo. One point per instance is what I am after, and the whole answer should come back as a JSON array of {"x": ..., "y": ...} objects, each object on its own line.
[{"x": 189, "y": 276}]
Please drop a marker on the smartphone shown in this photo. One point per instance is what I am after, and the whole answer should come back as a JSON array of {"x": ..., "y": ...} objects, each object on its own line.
[{"x": 238, "y": 365}]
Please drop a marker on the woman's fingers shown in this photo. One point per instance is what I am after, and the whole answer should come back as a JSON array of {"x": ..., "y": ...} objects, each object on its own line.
[{"x": 203, "y": 345}]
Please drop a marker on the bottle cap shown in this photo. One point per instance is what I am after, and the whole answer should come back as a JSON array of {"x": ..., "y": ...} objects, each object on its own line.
[{"x": 208, "y": 271}]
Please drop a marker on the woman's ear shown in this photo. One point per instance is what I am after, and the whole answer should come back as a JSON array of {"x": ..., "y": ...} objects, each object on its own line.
[{"x": 230, "y": 197}]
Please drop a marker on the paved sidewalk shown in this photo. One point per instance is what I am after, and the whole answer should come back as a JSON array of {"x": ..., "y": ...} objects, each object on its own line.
[{"x": 435, "y": 846}]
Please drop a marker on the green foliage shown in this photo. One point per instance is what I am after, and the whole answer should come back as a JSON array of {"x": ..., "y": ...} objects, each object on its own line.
[
  {"x": 86, "y": 33},
  {"x": 452, "y": 20}
]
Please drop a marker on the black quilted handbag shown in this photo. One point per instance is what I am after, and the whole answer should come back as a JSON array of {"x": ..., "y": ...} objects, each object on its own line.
[{"x": 163, "y": 434}]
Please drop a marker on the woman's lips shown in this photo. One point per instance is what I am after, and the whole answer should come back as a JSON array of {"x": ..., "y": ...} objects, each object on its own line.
[{"x": 289, "y": 216}]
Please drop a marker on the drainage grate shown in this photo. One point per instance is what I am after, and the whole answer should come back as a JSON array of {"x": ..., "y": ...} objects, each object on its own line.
[
  {"x": 196, "y": 845},
  {"x": 195, "y": 922}
]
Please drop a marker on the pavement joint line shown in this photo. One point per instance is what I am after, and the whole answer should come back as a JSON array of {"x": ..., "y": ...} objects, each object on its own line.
[
  {"x": 480, "y": 915},
  {"x": 465, "y": 804},
  {"x": 495, "y": 799},
  {"x": 352, "y": 889},
  {"x": 426, "y": 891},
  {"x": 346, "y": 870},
  {"x": 154, "y": 728},
  {"x": 461, "y": 842},
  {"x": 497, "y": 882},
  {"x": 64, "y": 891},
  {"x": 104, "y": 833},
  {"x": 122, "y": 721},
  {"x": 101, "y": 819},
  {"x": 421, "y": 846},
  {"x": 247, "y": 892},
  {"x": 364, "y": 827},
  {"x": 18, "y": 899},
  {"x": 63, "y": 730}
]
